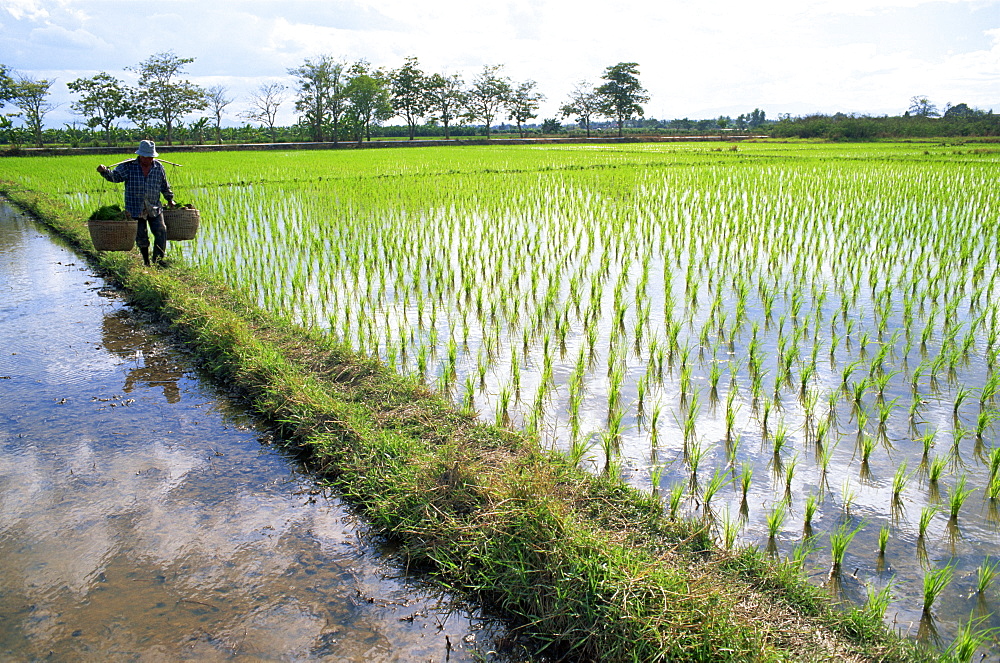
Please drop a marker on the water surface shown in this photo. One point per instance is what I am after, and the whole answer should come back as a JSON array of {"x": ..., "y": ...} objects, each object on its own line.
[{"x": 143, "y": 517}]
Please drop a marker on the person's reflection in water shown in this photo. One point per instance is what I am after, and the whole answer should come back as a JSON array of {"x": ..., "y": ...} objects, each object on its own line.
[{"x": 154, "y": 369}]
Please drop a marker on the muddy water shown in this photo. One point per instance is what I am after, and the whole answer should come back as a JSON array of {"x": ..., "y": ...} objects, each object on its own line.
[{"x": 143, "y": 518}]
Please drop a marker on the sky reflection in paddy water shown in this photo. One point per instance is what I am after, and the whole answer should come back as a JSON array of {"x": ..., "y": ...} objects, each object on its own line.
[{"x": 143, "y": 516}]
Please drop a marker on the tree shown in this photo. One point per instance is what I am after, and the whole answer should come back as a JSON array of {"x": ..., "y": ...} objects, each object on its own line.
[
  {"x": 320, "y": 95},
  {"x": 550, "y": 125},
  {"x": 139, "y": 113},
  {"x": 7, "y": 131},
  {"x": 217, "y": 98},
  {"x": 367, "y": 96},
  {"x": 488, "y": 94},
  {"x": 408, "y": 90},
  {"x": 584, "y": 103},
  {"x": 523, "y": 103},
  {"x": 264, "y": 104},
  {"x": 756, "y": 118},
  {"x": 959, "y": 111},
  {"x": 921, "y": 106},
  {"x": 445, "y": 99},
  {"x": 198, "y": 128},
  {"x": 31, "y": 97},
  {"x": 104, "y": 100},
  {"x": 622, "y": 95},
  {"x": 165, "y": 98},
  {"x": 6, "y": 85}
]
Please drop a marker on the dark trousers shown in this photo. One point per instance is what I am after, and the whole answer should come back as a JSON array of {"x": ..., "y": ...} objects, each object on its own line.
[{"x": 159, "y": 228}]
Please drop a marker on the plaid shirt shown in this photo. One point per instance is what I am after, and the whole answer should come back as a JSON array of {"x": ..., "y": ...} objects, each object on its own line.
[{"x": 142, "y": 192}]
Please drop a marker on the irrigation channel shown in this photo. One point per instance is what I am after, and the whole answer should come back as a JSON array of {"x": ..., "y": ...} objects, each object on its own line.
[{"x": 145, "y": 517}]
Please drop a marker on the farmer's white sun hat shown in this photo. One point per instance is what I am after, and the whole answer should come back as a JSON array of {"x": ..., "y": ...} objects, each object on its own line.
[{"x": 147, "y": 149}]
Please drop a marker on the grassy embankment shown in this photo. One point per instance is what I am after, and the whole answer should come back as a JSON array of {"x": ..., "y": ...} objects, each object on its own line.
[{"x": 587, "y": 567}]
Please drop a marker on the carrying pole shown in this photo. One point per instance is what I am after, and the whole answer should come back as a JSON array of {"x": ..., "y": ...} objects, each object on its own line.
[{"x": 179, "y": 165}]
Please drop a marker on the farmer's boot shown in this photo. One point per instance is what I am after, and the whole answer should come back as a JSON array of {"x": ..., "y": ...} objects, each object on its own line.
[{"x": 144, "y": 250}]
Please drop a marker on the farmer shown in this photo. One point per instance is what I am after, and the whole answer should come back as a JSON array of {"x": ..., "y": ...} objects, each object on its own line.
[{"x": 144, "y": 180}]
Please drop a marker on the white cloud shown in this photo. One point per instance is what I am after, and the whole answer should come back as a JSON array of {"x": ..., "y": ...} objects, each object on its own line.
[
  {"x": 25, "y": 9},
  {"x": 55, "y": 36}
]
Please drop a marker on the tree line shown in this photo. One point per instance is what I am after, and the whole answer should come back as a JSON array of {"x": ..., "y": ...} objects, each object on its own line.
[
  {"x": 922, "y": 119},
  {"x": 334, "y": 100}
]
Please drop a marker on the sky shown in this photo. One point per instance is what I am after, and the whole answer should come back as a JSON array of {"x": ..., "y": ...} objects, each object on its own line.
[{"x": 696, "y": 59}]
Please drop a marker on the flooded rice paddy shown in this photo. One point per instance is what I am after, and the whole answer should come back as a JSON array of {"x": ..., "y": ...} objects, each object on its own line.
[
  {"x": 798, "y": 343},
  {"x": 142, "y": 517}
]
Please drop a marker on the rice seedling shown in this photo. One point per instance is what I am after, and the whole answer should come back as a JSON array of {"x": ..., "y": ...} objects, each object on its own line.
[
  {"x": 655, "y": 474},
  {"x": 675, "y": 498},
  {"x": 779, "y": 439},
  {"x": 688, "y": 423},
  {"x": 801, "y": 551},
  {"x": 611, "y": 439},
  {"x": 580, "y": 446},
  {"x": 927, "y": 441},
  {"x": 957, "y": 496},
  {"x": 935, "y": 582},
  {"x": 824, "y": 457},
  {"x": 858, "y": 390},
  {"x": 899, "y": 480},
  {"x": 730, "y": 530},
  {"x": 714, "y": 375},
  {"x": 927, "y": 514},
  {"x": 696, "y": 452},
  {"x": 469, "y": 396},
  {"x": 969, "y": 639},
  {"x": 866, "y": 444},
  {"x": 962, "y": 394},
  {"x": 984, "y": 420},
  {"x": 809, "y": 510},
  {"x": 746, "y": 479},
  {"x": 822, "y": 432},
  {"x": 840, "y": 539},
  {"x": 654, "y": 425},
  {"x": 993, "y": 462},
  {"x": 884, "y": 413},
  {"x": 765, "y": 414},
  {"x": 878, "y": 601},
  {"x": 985, "y": 574},
  {"x": 883, "y": 539},
  {"x": 988, "y": 392},
  {"x": 958, "y": 434},
  {"x": 789, "y": 475},
  {"x": 775, "y": 519},
  {"x": 993, "y": 489},
  {"x": 720, "y": 479},
  {"x": 847, "y": 496},
  {"x": 731, "y": 412},
  {"x": 936, "y": 469}
]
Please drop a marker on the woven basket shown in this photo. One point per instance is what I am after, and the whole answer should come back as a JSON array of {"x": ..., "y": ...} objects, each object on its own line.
[
  {"x": 112, "y": 235},
  {"x": 182, "y": 222}
]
